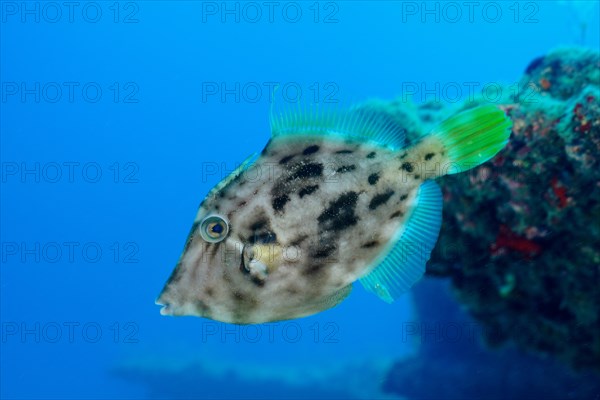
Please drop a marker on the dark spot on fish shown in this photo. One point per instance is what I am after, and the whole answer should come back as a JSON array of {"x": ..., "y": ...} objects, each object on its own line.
[
  {"x": 310, "y": 149},
  {"x": 242, "y": 204},
  {"x": 257, "y": 281},
  {"x": 371, "y": 154},
  {"x": 175, "y": 275},
  {"x": 201, "y": 307},
  {"x": 417, "y": 177},
  {"x": 212, "y": 250},
  {"x": 208, "y": 312},
  {"x": 209, "y": 291},
  {"x": 261, "y": 223},
  {"x": 279, "y": 202},
  {"x": 346, "y": 168},
  {"x": 292, "y": 290},
  {"x": 298, "y": 240},
  {"x": 408, "y": 167},
  {"x": 255, "y": 192},
  {"x": 313, "y": 269},
  {"x": 237, "y": 315},
  {"x": 344, "y": 152},
  {"x": 305, "y": 171},
  {"x": 239, "y": 296},
  {"x": 323, "y": 250},
  {"x": 286, "y": 159},
  {"x": 373, "y": 178},
  {"x": 222, "y": 193},
  {"x": 396, "y": 214},
  {"x": 429, "y": 156},
  {"x": 380, "y": 199},
  {"x": 264, "y": 238},
  {"x": 403, "y": 197},
  {"x": 188, "y": 243},
  {"x": 340, "y": 213},
  {"x": 305, "y": 191},
  {"x": 370, "y": 244},
  {"x": 236, "y": 178},
  {"x": 251, "y": 302},
  {"x": 403, "y": 155}
]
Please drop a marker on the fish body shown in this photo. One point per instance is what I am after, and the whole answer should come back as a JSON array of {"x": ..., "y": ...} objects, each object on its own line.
[{"x": 332, "y": 199}]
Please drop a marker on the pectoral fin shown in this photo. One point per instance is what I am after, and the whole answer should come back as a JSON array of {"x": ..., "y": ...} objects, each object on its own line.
[{"x": 405, "y": 262}]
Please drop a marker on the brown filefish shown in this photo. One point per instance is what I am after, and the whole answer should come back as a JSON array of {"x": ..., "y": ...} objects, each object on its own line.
[{"x": 335, "y": 197}]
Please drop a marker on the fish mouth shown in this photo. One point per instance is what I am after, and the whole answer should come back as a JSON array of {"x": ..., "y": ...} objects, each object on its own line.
[
  {"x": 252, "y": 267},
  {"x": 166, "y": 309}
]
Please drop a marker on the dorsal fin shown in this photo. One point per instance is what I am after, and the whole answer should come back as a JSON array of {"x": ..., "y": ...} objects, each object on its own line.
[
  {"x": 405, "y": 262},
  {"x": 357, "y": 123}
]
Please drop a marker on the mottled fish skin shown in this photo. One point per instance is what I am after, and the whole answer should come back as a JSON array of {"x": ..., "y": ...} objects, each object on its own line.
[{"x": 325, "y": 208}]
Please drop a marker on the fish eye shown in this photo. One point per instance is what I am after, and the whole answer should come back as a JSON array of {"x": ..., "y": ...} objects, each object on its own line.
[{"x": 214, "y": 228}]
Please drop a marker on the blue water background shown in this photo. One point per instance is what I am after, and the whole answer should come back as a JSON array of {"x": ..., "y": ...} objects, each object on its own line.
[{"x": 161, "y": 140}]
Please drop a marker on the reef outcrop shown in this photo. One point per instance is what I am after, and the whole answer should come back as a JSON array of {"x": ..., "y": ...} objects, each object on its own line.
[{"x": 520, "y": 237}]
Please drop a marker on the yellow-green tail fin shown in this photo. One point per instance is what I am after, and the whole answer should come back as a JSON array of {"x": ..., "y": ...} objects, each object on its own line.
[{"x": 474, "y": 136}]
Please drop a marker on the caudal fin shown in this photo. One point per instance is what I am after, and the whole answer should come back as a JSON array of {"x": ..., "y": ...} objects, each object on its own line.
[{"x": 472, "y": 137}]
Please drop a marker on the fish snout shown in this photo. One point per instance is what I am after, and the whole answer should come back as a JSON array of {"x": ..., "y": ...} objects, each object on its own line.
[
  {"x": 167, "y": 308},
  {"x": 173, "y": 304}
]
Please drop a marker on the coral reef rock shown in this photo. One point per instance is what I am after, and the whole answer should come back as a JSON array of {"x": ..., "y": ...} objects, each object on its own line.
[{"x": 520, "y": 236}]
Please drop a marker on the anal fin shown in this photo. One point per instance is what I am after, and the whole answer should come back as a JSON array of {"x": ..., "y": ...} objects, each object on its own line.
[{"x": 332, "y": 300}]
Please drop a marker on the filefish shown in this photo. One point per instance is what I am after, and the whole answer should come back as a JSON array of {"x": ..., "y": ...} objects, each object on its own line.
[{"x": 335, "y": 196}]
